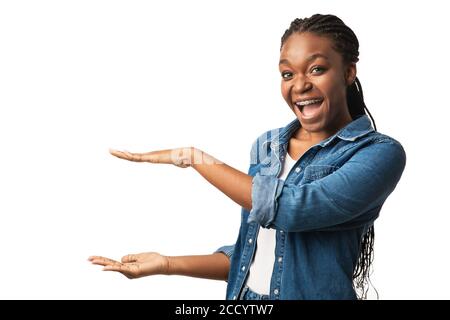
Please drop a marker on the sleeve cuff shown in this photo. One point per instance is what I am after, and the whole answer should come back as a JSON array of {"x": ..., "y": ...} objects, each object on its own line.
[
  {"x": 265, "y": 192},
  {"x": 227, "y": 250}
]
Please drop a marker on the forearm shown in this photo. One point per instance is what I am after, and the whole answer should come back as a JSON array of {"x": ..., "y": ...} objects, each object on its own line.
[
  {"x": 234, "y": 183},
  {"x": 213, "y": 266}
]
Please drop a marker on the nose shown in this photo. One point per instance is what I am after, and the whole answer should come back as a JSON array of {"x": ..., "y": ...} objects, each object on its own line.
[{"x": 301, "y": 85}]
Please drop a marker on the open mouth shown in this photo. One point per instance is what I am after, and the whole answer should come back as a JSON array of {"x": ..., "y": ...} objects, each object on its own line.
[{"x": 309, "y": 108}]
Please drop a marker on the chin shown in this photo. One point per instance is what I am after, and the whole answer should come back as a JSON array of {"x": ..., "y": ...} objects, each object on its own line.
[
  {"x": 312, "y": 127},
  {"x": 317, "y": 125}
]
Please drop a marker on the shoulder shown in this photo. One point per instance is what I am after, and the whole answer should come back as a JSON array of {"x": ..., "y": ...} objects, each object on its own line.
[
  {"x": 383, "y": 148},
  {"x": 378, "y": 139}
]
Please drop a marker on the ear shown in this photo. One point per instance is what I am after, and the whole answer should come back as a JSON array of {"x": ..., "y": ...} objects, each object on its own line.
[{"x": 350, "y": 73}]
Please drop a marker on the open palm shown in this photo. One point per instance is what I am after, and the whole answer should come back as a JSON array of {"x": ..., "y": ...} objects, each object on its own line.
[{"x": 135, "y": 265}]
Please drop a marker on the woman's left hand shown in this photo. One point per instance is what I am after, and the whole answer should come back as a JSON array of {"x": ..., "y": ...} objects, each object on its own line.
[{"x": 180, "y": 157}]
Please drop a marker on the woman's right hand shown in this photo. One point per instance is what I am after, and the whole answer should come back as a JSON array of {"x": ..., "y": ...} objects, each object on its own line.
[
  {"x": 180, "y": 157},
  {"x": 135, "y": 265}
]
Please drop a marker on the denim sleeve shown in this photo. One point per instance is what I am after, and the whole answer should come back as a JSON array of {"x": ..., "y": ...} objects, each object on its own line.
[
  {"x": 227, "y": 250},
  {"x": 350, "y": 193}
]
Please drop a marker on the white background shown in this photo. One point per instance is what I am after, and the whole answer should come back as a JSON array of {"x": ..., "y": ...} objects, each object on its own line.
[{"x": 79, "y": 77}]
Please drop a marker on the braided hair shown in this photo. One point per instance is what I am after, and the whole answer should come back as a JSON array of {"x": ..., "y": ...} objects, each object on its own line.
[{"x": 346, "y": 43}]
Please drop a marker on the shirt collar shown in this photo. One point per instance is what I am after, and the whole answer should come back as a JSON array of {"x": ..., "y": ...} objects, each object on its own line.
[{"x": 352, "y": 131}]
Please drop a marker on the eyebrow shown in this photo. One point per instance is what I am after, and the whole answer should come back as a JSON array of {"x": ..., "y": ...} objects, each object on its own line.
[{"x": 310, "y": 58}]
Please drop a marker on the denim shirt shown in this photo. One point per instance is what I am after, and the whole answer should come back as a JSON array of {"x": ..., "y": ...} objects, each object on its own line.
[{"x": 320, "y": 212}]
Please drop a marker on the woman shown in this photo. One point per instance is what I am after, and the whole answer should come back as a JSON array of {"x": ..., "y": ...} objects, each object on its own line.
[{"x": 313, "y": 190}]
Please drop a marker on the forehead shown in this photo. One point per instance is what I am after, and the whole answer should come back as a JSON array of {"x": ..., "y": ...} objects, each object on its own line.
[{"x": 299, "y": 46}]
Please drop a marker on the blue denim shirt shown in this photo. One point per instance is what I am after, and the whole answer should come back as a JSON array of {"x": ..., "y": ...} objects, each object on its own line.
[{"x": 321, "y": 210}]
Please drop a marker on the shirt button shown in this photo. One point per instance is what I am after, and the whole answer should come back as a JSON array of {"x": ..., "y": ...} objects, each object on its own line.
[
  {"x": 280, "y": 259},
  {"x": 275, "y": 291},
  {"x": 281, "y": 231},
  {"x": 234, "y": 298},
  {"x": 243, "y": 268},
  {"x": 250, "y": 240},
  {"x": 298, "y": 169}
]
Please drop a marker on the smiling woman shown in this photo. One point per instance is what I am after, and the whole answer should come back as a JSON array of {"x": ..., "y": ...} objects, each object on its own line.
[{"x": 313, "y": 189}]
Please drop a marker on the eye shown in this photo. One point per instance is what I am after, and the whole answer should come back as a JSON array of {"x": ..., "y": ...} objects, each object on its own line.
[
  {"x": 286, "y": 75},
  {"x": 317, "y": 69}
]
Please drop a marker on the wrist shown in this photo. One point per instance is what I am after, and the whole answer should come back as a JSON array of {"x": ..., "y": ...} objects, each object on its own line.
[
  {"x": 183, "y": 157},
  {"x": 196, "y": 156},
  {"x": 167, "y": 266}
]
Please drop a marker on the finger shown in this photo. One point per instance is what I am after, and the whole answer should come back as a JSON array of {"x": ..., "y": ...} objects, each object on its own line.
[
  {"x": 180, "y": 157},
  {"x": 93, "y": 257},
  {"x": 161, "y": 156},
  {"x": 96, "y": 257},
  {"x": 126, "y": 155},
  {"x": 129, "y": 258},
  {"x": 116, "y": 267},
  {"x": 104, "y": 261},
  {"x": 122, "y": 268}
]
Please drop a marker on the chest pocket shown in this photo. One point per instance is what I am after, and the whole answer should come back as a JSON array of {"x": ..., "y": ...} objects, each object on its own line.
[{"x": 316, "y": 172}]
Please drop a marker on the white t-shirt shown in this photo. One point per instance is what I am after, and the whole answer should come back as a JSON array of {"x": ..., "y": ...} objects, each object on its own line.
[{"x": 261, "y": 269}]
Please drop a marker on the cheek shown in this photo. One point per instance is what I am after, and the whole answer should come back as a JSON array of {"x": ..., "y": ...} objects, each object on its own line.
[
  {"x": 338, "y": 93},
  {"x": 334, "y": 91},
  {"x": 338, "y": 85},
  {"x": 285, "y": 91}
]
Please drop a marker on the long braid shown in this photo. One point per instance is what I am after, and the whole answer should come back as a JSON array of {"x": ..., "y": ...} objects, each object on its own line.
[
  {"x": 361, "y": 274},
  {"x": 346, "y": 43}
]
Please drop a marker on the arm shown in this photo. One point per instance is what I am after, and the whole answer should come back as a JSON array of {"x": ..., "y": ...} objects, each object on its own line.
[
  {"x": 234, "y": 183},
  {"x": 213, "y": 266},
  {"x": 351, "y": 194}
]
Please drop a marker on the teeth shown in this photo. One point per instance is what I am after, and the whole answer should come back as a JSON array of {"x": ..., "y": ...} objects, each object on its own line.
[{"x": 307, "y": 102}]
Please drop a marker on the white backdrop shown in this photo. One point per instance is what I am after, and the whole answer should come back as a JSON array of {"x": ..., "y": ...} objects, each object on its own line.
[{"x": 79, "y": 77}]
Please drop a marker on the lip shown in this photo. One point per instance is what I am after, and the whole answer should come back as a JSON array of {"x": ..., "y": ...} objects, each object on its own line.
[
  {"x": 308, "y": 98},
  {"x": 300, "y": 108}
]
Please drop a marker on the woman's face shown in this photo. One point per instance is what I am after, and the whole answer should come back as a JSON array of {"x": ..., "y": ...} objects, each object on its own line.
[{"x": 314, "y": 82}]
